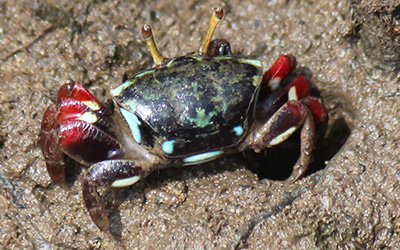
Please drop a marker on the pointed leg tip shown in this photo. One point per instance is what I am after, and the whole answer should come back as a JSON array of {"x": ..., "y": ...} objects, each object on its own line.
[
  {"x": 298, "y": 172},
  {"x": 104, "y": 226}
]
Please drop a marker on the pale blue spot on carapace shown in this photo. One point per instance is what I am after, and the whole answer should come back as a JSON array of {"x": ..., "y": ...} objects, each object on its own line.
[
  {"x": 238, "y": 130},
  {"x": 118, "y": 90},
  {"x": 133, "y": 123},
  {"x": 203, "y": 157},
  {"x": 168, "y": 146},
  {"x": 150, "y": 71},
  {"x": 255, "y": 63},
  {"x": 170, "y": 63}
]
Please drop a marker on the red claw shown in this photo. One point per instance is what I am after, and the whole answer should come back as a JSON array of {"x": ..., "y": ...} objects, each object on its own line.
[
  {"x": 71, "y": 109},
  {"x": 301, "y": 86},
  {"x": 317, "y": 109},
  {"x": 51, "y": 151},
  {"x": 78, "y": 126},
  {"x": 281, "y": 68},
  {"x": 75, "y": 90},
  {"x": 85, "y": 142},
  {"x": 285, "y": 107}
]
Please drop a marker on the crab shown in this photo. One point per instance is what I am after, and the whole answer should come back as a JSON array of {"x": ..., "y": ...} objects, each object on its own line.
[{"x": 183, "y": 111}]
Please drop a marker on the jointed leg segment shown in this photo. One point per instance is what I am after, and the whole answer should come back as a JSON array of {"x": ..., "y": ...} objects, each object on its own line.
[
  {"x": 283, "y": 108},
  {"x": 110, "y": 173}
]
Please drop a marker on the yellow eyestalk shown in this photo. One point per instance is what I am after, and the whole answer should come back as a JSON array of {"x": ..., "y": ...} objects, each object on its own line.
[
  {"x": 147, "y": 35},
  {"x": 215, "y": 18}
]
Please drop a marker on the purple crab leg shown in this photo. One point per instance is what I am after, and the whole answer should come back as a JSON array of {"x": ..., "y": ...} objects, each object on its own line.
[
  {"x": 269, "y": 104},
  {"x": 291, "y": 116},
  {"x": 110, "y": 173},
  {"x": 283, "y": 66},
  {"x": 319, "y": 113},
  {"x": 307, "y": 146}
]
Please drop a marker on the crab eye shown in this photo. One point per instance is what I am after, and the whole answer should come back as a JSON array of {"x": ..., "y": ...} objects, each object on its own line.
[
  {"x": 225, "y": 49},
  {"x": 219, "y": 47}
]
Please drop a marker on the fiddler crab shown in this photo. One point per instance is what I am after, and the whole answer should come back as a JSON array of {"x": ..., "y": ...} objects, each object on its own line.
[{"x": 183, "y": 111}]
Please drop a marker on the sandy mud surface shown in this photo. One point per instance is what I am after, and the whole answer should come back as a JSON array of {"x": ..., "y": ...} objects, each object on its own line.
[{"x": 349, "y": 200}]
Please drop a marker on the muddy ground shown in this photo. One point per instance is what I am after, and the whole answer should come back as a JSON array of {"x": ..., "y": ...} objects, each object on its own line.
[{"x": 349, "y": 200}]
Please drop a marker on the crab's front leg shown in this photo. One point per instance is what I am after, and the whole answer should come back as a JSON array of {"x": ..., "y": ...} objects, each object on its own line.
[
  {"x": 112, "y": 173},
  {"x": 283, "y": 108},
  {"x": 290, "y": 117},
  {"x": 76, "y": 125}
]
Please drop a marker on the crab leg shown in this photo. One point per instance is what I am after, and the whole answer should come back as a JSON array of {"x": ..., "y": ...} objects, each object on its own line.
[
  {"x": 291, "y": 116},
  {"x": 281, "y": 125},
  {"x": 110, "y": 173},
  {"x": 277, "y": 91},
  {"x": 294, "y": 90},
  {"x": 283, "y": 66},
  {"x": 319, "y": 113},
  {"x": 285, "y": 107},
  {"x": 307, "y": 143},
  {"x": 313, "y": 129}
]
